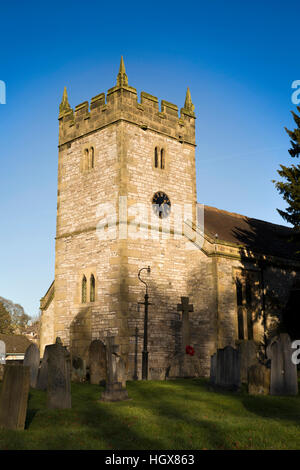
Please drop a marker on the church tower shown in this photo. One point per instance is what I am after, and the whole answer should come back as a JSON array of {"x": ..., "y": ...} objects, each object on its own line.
[{"x": 126, "y": 186}]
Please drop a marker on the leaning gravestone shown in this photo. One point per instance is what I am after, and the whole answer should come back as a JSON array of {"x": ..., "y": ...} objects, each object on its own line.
[
  {"x": 97, "y": 362},
  {"x": 115, "y": 389},
  {"x": 248, "y": 352},
  {"x": 258, "y": 380},
  {"x": 228, "y": 369},
  {"x": 42, "y": 380},
  {"x": 59, "y": 376},
  {"x": 283, "y": 371},
  {"x": 14, "y": 397},
  {"x": 78, "y": 369},
  {"x": 32, "y": 360}
]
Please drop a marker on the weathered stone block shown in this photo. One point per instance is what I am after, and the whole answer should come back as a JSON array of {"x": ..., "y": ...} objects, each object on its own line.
[{"x": 258, "y": 380}]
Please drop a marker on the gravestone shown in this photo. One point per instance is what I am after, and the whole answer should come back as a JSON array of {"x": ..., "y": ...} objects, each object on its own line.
[
  {"x": 228, "y": 370},
  {"x": 2, "y": 352},
  {"x": 115, "y": 389},
  {"x": 59, "y": 376},
  {"x": 42, "y": 380},
  {"x": 183, "y": 364},
  {"x": 14, "y": 397},
  {"x": 185, "y": 308},
  {"x": 32, "y": 360},
  {"x": 258, "y": 379},
  {"x": 97, "y": 362},
  {"x": 213, "y": 369},
  {"x": 283, "y": 371},
  {"x": 248, "y": 352},
  {"x": 78, "y": 369},
  {"x": 2, "y": 358}
]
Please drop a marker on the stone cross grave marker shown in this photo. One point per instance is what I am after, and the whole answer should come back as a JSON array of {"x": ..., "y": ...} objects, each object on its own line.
[
  {"x": 2, "y": 352},
  {"x": 185, "y": 308},
  {"x": 14, "y": 397},
  {"x": 59, "y": 376},
  {"x": 115, "y": 389},
  {"x": 283, "y": 372},
  {"x": 97, "y": 362},
  {"x": 32, "y": 360}
]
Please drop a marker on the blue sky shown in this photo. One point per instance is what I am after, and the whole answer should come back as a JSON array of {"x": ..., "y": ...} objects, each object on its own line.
[{"x": 238, "y": 59}]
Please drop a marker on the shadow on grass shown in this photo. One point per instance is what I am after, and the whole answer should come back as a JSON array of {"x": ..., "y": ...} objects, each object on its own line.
[
  {"x": 286, "y": 408},
  {"x": 181, "y": 414}
]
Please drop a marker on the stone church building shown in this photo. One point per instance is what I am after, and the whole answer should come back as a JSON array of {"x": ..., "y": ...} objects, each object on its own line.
[{"x": 127, "y": 200}]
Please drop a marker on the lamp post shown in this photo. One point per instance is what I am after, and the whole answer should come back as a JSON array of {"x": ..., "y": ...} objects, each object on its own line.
[{"x": 145, "y": 348}]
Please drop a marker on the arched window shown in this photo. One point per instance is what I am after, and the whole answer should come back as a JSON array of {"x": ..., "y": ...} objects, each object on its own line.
[
  {"x": 86, "y": 160},
  {"x": 249, "y": 309},
  {"x": 91, "y": 158},
  {"x": 239, "y": 292},
  {"x": 162, "y": 159},
  {"x": 92, "y": 288},
  {"x": 156, "y": 157},
  {"x": 83, "y": 290},
  {"x": 240, "y": 313}
]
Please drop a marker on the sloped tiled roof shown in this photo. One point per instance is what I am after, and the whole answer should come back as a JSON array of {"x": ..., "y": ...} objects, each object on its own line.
[
  {"x": 15, "y": 344},
  {"x": 253, "y": 234}
]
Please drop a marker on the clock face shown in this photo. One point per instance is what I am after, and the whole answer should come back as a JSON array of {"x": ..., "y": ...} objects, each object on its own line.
[{"x": 161, "y": 204}]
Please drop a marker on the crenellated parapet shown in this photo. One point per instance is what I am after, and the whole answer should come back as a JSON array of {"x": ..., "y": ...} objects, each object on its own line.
[{"x": 121, "y": 104}]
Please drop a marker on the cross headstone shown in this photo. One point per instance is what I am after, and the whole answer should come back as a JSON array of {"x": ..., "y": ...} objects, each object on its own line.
[
  {"x": 185, "y": 308},
  {"x": 32, "y": 359},
  {"x": 2, "y": 352},
  {"x": 115, "y": 389},
  {"x": 59, "y": 376},
  {"x": 42, "y": 380},
  {"x": 14, "y": 397},
  {"x": 283, "y": 372},
  {"x": 97, "y": 362}
]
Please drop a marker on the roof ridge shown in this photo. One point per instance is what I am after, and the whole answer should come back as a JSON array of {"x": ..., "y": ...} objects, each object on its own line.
[{"x": 241, "y": 216}]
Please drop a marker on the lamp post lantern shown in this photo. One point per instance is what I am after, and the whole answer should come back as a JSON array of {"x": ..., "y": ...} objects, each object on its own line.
[{"x": 146, "y": 303}]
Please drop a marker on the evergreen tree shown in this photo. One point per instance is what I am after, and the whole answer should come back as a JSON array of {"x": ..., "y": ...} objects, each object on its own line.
[
  {"x": 290, "y": 188},
  {"x": 6, "y": 326}
]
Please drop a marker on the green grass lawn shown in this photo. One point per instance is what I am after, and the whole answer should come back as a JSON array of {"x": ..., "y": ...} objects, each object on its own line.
[{"x": 179, "y": 414}]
